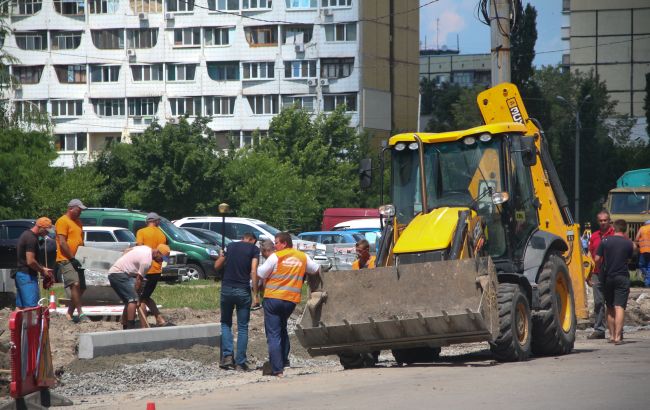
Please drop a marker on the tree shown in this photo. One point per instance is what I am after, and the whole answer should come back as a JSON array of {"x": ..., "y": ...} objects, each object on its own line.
[
  {"x": 522, "y": 45},
  {"x": 441, "y": 99}
]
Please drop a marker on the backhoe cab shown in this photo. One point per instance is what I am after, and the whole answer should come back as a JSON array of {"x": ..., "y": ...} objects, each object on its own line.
[{"x": 479, "y": 246}]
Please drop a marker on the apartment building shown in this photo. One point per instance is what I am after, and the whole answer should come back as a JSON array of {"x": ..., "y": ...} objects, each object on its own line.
[
  {"x": 613, "y": 40},
  {"x": 104, "y": 70},
  {"x": 449, "y": 66}
]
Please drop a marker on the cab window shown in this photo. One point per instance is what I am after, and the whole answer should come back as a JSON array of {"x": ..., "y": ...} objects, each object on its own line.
[
  {"x": 99, "y": 237},
  {"x": 121, "y": 223}
]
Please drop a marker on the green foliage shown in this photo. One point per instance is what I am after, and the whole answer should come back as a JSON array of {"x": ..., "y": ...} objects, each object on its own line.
[
  {"x": 465, "y": 110},
  {"x": 522, "y": 45},
  {"x": 441, "y": 97}
]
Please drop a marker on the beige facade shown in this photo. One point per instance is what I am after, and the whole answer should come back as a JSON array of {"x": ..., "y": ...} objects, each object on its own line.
[
  {"x": 612, "y": 38},
  {"x": 463, "y": 69}
]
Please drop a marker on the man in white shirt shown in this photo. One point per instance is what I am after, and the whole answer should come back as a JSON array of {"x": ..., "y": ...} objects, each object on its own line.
[{"x": 127, "y": 273}]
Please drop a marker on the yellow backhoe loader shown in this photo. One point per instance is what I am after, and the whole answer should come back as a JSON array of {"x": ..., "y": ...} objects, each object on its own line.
[{"x": 479, "y": 245}]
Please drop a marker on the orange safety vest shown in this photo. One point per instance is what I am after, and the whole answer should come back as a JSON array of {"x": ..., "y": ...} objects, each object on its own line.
[
  {"x": 369, "y": 265},
  {"x": 644, "y": 239},
  {"x": 285, "y": 282}
]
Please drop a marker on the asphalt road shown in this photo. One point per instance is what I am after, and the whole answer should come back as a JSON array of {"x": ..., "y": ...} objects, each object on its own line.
[{"x": 597, "y": 375}]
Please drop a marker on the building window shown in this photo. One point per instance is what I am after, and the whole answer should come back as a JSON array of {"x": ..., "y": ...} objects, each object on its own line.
[
  {"x": 142, "y": 38},
  {"x": 224, "y": 71},
  {"x": 153, "y": 72},
  {"x": 143, "y": 107},
  {"x": 71, "y": 74},
  {"x": 104, "y": 73},
  {"x": 67, "y": 108},
  {"x": 300, "y": 69},
  {"x": 336, "y": 3},
  {"x": 146, "y": 6},
  {"x": 71, "y": 142},
  {"x": 190, "y": 106},
  {"x": 301, "y": 4},
  {"x": 70, "y": 7},
  {"x": 109, "y": 107},
  {"x": 219, "y": 106},
  {"x": 464, "y": 79},
  {"x": 341, "y": 32},
  {"x": 31, "y": 40},
  {"x": 330, "y": 102},
  {"x": 263, "y": 104},
  {"x": 65, "y": 40},
  {"x": 180, "y": 5},
  {"x": 256, "y": 4},
  {"x": 108, "y": 39},
  {"x": 297, "y": 34},
  {"x": 223, "y": 5},
  {"x": 336, "y": 67},
  {"x": 181, "y": 72},
  {"x": 189, "y": 36},
  {"x": 28, "y": 74},
  {"x": 217, "y": 36},
  {"x": 26, "y": 7},
  {"x": 258, "y": 71},
  {"x": 103, "y": 6},
  {"x": 304, "y": 102},
  {"x": 26, "y": 108},
  {"x": 262, "y": 35}
]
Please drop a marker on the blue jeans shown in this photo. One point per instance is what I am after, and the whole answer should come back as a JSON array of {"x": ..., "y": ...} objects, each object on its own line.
[
  {"x": 27, "y": 293},
  {"x": 241, "y": 299},
  {"x": 644, "y": 266},
  {"x": 276, "y": 315}
]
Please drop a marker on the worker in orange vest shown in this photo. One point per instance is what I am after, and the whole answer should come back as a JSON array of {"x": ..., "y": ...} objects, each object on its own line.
[
  {"x": 284, "y": 272},
  {"x": 364, "y": 260},
  {"x": 642, "y": 240}
]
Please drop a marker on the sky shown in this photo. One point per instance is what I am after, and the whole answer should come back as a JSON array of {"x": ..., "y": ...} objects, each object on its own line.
[{"x": 458, "y": 17}]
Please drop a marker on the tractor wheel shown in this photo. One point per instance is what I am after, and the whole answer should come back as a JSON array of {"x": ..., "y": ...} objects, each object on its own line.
[
  {"x": 357, "y": 360},
  {"x": 513, "y": 342},
  {"x": 416, "y": 355},
  {"x": 554, "y": 325}
]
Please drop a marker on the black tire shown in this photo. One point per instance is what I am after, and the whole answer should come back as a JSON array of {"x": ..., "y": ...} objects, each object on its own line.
[
  {"x": 357, "y": 360},
  {"x": 416, "y": 355},
  {"x": 195, "y": 271},
  {"x": 514, "y": 340},
  {"x": 554, "y": 325}
]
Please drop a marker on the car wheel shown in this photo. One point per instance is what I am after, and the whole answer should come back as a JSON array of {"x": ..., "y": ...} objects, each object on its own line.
[{"x": 195, "y": 272}]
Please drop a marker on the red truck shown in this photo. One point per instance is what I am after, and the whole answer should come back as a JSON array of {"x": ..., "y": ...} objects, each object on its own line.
[{"x": 332, "y": 216}]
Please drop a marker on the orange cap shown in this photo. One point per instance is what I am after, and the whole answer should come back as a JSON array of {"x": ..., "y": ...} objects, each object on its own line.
[
  {"x": 44, "y": 222},
  {"x": 164, "y": 249}
]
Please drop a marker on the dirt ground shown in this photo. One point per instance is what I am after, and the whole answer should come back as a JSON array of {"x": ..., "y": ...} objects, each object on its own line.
[{"x": 64, "y": 343}]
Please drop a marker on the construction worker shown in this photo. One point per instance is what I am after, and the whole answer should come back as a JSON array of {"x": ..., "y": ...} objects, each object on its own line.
[
  {"x": 127, "y": 274},
  {"x": 152, "y": 236},
  {"x": 593, "y": 280},
  {"x": 26, "y": 277},
  {"x": 284, "y": 272},
  {"x": 69, "y": 237},
  {"x": 364, "y": 260},
  {"x": 642, "y": 240},
  {"x": 241, "y": 260}
]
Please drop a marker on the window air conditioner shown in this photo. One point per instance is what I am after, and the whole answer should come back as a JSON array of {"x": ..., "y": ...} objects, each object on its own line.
[
  {"x": 142, "y": 16},
  {"x": 324, "y": 82},
  {"x": 300, "y": 48},
  {"x": 327, "y": 12},
  {"x": 312, "y": 82},
  {"x": 173, "y": 120},
  {"x": 130, "y": 52},
  {"x": 169, "y": 16}
]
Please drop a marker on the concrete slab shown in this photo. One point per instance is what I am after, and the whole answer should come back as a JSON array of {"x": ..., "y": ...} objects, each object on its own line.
[{"x": 97, "y": 344}]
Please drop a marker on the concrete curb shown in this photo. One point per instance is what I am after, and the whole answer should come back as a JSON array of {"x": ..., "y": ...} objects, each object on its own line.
[{"x": 97, "y": 344}]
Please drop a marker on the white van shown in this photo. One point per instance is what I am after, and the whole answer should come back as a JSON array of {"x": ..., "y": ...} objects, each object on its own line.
[{"x": 358, "y": 224}]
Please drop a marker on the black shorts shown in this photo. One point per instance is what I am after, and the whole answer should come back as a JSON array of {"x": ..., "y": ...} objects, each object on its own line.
[
  {"x": 124, "y": 286},
  {"x": 616, "y": 290},
  {"x": 149, "y": 286}
]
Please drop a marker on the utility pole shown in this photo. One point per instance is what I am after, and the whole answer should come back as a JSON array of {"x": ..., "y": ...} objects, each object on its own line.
[{"x": 500, "y": 12}]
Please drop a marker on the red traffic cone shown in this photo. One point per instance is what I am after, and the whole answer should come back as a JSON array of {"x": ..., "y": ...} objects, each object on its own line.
[
  {"x": 151, "y": 405},
  {"x": 52, "y": 301}
]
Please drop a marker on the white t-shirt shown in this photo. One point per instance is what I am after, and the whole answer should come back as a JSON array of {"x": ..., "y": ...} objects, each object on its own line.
[
  {"x": 271, "y": 264},
  {"x": 137, "y": 261}
]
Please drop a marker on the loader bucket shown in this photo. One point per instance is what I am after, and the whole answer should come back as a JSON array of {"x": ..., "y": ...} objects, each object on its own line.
[{"x": 425, "y": 304}]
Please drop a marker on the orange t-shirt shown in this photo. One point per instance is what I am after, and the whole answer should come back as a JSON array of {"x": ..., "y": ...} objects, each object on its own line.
[
  {"x": 369, "y": 265},
  {"x": 151, "y": 236},
  {"x": 73, "y": 232}
]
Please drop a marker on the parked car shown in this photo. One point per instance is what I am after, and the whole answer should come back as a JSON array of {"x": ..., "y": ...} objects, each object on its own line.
[
  {"x": 208, "y": 236},
  {"x": 200, "y": 256},
  {"x": 332, "y": 237},
  {"x": 10, "y": 231},
  {"x": 372, "y": 235},
  {"x": 358, "y": 224},
  {"x": 108, "y": 237},
  {"x": 236, "y": 227}
]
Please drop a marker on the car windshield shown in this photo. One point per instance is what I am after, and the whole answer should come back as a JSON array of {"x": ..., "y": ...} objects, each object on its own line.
[
  {"x": 457, "y": 175},
  {"x": 629, "y": 202},
  {"x": 124, "y": 235},
  {"x": 177, "y": 233}
]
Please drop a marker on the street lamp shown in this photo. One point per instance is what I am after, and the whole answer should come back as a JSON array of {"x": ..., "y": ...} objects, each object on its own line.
[
  {"x": 224, "y": 208},
  {"x": 576, "y": 111}
]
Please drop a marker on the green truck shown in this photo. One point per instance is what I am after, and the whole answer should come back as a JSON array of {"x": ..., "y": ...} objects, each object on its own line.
[{"x": 630, "y": 200}]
